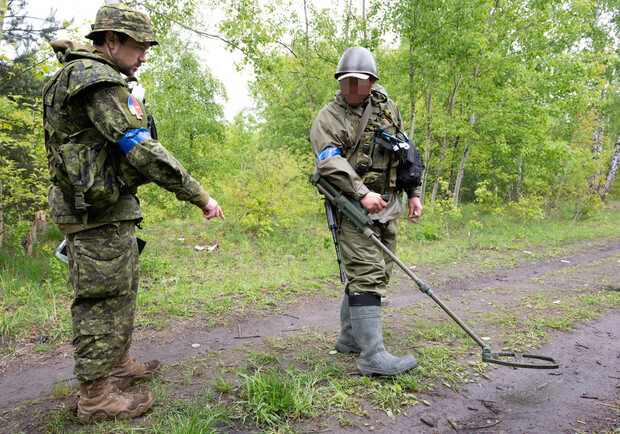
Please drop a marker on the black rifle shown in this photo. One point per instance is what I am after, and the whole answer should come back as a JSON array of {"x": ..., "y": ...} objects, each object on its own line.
[{"x": 332, "y": 223}]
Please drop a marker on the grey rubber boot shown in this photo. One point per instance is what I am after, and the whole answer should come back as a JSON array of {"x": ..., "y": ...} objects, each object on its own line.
[
  {"x": 346, "y": 342},
  {"x": 374, "y": 358}
]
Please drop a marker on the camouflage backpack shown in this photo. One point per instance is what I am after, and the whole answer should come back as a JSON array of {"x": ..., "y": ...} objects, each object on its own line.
[{"x": 80, "y": 161}]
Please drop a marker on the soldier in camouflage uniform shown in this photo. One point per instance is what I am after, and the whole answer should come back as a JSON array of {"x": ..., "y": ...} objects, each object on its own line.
[
  {"x": 364, "y": 171},
  {"x": 100, "y": 150}
]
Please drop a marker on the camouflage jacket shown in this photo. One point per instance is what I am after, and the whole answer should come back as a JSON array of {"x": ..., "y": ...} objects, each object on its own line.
[
  {"x": 89, "y": 102},
  {"x": 336, "y": 126}
]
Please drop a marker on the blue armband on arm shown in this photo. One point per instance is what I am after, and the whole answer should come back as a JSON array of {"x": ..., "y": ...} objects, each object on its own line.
[
  {"x": 328, "y": 152},
  {"x": 132, "y": 138}
]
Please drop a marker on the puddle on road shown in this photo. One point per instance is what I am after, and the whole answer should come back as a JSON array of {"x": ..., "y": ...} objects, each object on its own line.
[{"x": 532, "y": 395}]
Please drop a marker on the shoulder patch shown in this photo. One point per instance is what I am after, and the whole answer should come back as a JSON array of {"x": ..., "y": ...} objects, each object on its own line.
[{"x": 134, "y": 107}]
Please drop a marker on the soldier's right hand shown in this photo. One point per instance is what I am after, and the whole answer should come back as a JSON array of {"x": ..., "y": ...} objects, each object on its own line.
[
  {"x": 373, "y": 202},
  {"x": 212, "y": 209}
]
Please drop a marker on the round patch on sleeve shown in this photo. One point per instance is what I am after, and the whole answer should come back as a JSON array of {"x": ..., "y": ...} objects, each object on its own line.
[{"x": 134, "y": 107}]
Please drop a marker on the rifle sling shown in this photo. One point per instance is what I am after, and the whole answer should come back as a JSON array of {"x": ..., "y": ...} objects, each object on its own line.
[
  {"x": 361, "y": 127},
  {"x": 363, "y": 122}
]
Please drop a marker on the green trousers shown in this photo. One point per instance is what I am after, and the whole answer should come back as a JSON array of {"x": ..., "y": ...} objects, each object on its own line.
[
  {"x": 103, "y": 275},
  {"x": 366, "y": 266}
]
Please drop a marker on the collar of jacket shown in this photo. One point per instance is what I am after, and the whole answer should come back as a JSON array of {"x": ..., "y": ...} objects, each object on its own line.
[{"x": 67, "y": 51}]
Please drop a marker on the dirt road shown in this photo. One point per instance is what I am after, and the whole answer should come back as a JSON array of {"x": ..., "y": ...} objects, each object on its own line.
[{"x": 580, "y": 395}]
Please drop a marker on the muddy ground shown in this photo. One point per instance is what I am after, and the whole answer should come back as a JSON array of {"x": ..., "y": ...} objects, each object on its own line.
[{"x": 581, "y": 396}]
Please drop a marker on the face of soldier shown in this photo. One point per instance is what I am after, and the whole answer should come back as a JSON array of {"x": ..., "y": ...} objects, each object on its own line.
[
  {"x": 128, "y": 56},
  {"x": 354, "y": 90}
]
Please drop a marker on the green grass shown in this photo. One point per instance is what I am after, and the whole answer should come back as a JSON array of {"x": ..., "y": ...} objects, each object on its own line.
[
  {"x": 264, "y": 274},
  {"x": 259, "y": 274},
  {"x": 296, "y": 382}
]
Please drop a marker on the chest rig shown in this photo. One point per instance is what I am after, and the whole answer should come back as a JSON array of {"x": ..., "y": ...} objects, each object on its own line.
[
  {"x": 375, "y": 164},
  {"x": 80, "y": 163}
]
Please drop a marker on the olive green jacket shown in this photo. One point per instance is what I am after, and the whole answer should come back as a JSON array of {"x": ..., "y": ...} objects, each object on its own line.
[{"x": 333, "y": 128}]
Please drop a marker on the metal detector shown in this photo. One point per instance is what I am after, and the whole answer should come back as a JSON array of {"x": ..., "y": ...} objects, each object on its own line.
[{"x": 359, "y": 217}]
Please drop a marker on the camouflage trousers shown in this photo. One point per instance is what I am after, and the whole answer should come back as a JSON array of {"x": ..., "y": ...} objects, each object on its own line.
[
  {"x": 366, "y": 266},
  {"x": 103, "y": 274}
]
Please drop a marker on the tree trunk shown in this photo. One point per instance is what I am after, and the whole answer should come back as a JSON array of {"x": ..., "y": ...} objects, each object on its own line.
[
  {"x": 461, "y": 174},
  {"x": 444, "y": 143},
  {"x": 613, "y": 170},
  {"x": 557, "y": 198},
  {"x": 348, "y": 20},
  {"x": 472, "y": 117},
  {"x": 364, "y": 18},
  {"x": 308, "y": 89},
  {"x": 597, "y": 150},
  {"x": 519, "y": 178},
  {"x": 459, "y": 177},
  {"x": 412, "y": 98},
  {"x": 442, "y": 156},
  {"x": 427, "y": 143}
]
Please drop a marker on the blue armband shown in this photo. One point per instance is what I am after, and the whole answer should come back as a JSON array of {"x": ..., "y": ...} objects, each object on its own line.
[
  {"x": 133, "y": 137},
  {"x": 328, "y": 152}
]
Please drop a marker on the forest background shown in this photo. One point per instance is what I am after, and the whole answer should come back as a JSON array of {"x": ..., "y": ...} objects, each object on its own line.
[{"x": 513, "y": 104}]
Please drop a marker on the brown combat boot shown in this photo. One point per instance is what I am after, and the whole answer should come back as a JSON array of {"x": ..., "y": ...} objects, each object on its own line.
[
  {"x": 127, "y": 370},
  {"x": 99, "y": 400}
]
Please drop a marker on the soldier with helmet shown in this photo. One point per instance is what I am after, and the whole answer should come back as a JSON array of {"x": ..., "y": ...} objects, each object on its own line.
[
  {"x": 347, "y": 155},
  {"x": 101, "y": 147}
]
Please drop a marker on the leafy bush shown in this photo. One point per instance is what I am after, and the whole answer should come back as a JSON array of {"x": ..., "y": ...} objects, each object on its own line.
[{"x": 271, "y": 192}]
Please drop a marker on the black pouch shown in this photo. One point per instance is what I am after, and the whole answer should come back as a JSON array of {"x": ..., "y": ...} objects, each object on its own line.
[{"x": 410, "y": 169}]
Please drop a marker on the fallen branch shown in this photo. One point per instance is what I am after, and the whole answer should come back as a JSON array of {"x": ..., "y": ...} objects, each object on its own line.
[
  {"x": 454, "y": 425},
  {"x": 427, "y": 422}
]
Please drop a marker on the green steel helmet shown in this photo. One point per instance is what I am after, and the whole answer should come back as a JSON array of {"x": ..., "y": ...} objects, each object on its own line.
[
  {"x": 123, "y": 19},
  {"x": 356, "y": 62}
]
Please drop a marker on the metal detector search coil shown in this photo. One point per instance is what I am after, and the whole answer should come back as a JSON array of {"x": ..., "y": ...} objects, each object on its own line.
[{"x": 518, "y": 360}]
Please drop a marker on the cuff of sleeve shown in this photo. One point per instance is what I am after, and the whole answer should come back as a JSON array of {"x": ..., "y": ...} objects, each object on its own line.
[
  {"x": 361, "y": 192},
  {"x": 414, "y": 192},
  {"x": 201, "y": 198}
]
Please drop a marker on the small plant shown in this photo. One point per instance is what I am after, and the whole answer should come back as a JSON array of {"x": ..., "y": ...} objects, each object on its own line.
[
  {"x": 62, "y": 389},
  {"x": 273, "y": 397},
  {"x": 221, "y": 385},
  {"x": 198, "y": 418}
]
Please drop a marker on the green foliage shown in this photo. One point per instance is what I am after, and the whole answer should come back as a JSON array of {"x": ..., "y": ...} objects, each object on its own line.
[
  {"x": 23, "y": 170},
  {"x": 182, "y": 95},
  {"x": 491, "y": 93},
  {"x": 33, "y": 295},
  {"x": 270, "y": 193}
]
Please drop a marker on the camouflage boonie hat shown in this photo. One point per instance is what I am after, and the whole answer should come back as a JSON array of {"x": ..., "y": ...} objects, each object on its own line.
[{"x": 123, "y": 19}]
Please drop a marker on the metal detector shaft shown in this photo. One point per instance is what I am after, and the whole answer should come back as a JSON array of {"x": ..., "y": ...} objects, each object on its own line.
[
  {"x": 426, "y": 289},
  {"x": 361, "y": 219}
]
